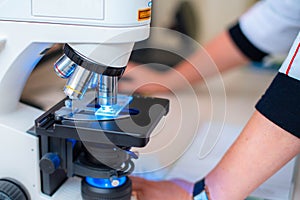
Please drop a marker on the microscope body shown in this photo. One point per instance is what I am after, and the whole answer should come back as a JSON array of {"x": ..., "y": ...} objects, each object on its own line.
[
  {"x": 103, "y": 33},
  {"x": 28, "y": 29}
]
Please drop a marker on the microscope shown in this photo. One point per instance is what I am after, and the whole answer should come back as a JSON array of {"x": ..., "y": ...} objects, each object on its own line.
[{"x": 81, "y": 147}]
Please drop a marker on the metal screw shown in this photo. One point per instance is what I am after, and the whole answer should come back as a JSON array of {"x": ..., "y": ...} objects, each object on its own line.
[{"x": 114, "y": 182}]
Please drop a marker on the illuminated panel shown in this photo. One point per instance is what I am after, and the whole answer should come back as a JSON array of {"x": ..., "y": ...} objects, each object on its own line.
[
  {"x": 105, "y": 183},
  {"x": 114, "y": 110}
]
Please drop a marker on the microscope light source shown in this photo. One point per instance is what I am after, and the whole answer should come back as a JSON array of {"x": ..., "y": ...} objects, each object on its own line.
[
  {"x": 106, "y": 183},
  {"x": 113, "y": 110}
]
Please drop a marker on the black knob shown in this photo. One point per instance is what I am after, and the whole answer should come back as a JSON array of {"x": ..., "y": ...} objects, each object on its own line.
[
  {"x": 11, "y": 191},
  {"x": 49, "y": 163}
]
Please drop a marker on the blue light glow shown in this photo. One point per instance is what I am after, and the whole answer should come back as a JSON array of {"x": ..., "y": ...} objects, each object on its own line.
[
  {"x": 73, "y": 141},
  {"x": 114, "y": 110},
  {"x": 105, "y": 183}
]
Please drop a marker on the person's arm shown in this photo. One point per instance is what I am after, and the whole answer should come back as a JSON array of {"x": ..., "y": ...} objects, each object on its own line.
[
  {"x": 254, "y": 37},
  {"x": 261, "y": 150},
  {"x": 270, "y": 139},
  {"x": 216, "y": 56}
]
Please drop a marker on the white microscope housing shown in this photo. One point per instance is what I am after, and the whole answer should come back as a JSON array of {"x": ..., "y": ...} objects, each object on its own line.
[{"x": 102, "y": 32}]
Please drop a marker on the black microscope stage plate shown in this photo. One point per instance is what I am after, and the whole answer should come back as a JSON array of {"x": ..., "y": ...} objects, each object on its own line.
[{"x": 131, "y": 131}]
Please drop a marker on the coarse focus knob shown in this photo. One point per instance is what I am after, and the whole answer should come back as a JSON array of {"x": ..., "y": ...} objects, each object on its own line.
[
  {"x": 11, "y": 191},
  {"x": 49, "y": 163}
]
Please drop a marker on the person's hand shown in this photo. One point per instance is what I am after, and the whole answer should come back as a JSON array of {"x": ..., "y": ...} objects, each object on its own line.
[
  {"x": 142, "y": 79},
  {"x": 161, "y": 190}
]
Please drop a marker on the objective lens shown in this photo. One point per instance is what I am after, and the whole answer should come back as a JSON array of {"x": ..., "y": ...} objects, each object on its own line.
[
  {"x": 94, "y": 81},
  {"x": 64, "y": 67},
  {"x": 78, "y": 83},
  {"x": 108, "y": 90}
]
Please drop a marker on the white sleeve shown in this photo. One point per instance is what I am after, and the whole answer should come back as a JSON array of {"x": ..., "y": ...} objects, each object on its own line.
[
  {"x": 291, "y": 65},
  {"x": 272, "y": 25}
]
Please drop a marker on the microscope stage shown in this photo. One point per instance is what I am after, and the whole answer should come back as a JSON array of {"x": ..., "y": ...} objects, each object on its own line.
[
  {"x": 131, "y": 128},
  {"x": 91, "y": 111}
]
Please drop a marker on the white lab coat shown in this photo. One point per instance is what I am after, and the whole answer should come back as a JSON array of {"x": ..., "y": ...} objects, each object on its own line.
[
  {"x": 291, "y": 65},
  {"x": 272, "y": 25}
]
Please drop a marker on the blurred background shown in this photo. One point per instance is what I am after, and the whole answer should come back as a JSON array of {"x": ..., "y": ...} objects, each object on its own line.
[{"x": 212, "y": 16}]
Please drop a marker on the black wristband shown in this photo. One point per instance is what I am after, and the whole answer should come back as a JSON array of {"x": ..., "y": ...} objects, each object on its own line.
[{"x": 199, "y": 187}]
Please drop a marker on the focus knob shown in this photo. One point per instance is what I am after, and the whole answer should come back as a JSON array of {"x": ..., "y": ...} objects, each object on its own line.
[
  {"x": 11, "y": 191},
  {"x": 49, "y": 163}
]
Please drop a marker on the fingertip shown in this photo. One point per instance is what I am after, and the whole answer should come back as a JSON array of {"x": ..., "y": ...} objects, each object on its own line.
[
  {"x": 136, "y": 179},
  {"x": 131, "y": 65},
  {"x": 137, "y": 182}
]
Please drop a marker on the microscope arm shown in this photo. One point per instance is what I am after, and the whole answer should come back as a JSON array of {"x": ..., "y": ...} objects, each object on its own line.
[{"x": 2, "y": 42}]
